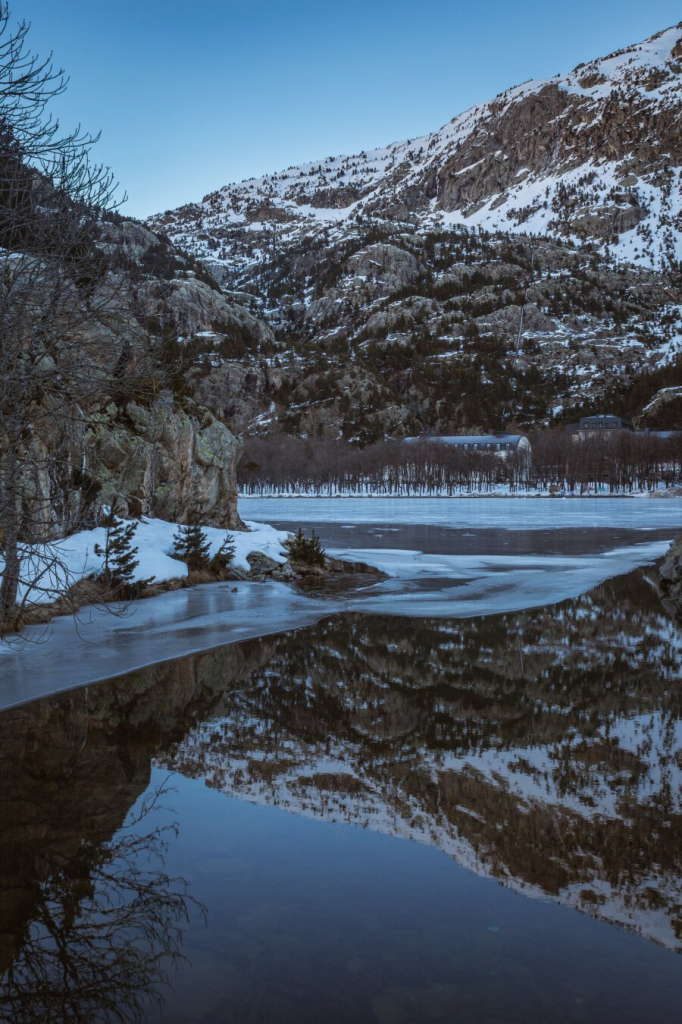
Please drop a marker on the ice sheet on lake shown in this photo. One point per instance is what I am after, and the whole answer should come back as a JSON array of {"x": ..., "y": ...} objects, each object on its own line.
[
  {"x": 461, "y": 586},
  {"x": 472, "y": 513},
  {"x": 99, "y": 645}
]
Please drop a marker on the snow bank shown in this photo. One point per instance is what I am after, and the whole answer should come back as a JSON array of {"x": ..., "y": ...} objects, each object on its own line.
[{"x": 50, "y": 569}]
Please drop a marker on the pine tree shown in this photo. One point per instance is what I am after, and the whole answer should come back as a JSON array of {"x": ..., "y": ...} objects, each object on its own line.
[
  {"x": 118, "y": 553},
  {"x": 191, "y": 546},
  {"x": 307, "y": 550},
  {"x": 223, "y": 556}
]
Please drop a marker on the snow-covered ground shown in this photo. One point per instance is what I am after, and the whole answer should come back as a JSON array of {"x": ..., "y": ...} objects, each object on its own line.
[
  {"x": 49, "y": 570},
  {"x": 426, "y": 581}
]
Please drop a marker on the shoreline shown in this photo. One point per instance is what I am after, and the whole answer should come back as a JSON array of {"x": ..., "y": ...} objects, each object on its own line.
[
  {"x": 198, "y": 613},
  {"x": 77, "y": 651},
  {"x": 174, "y": 625},
  {"x": 639, "y": 495},
  {"x": 196, "y": 620},
  {"x": 90, "y": 593}
]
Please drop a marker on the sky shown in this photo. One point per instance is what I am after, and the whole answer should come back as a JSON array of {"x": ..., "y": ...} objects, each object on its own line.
[{"x": 191, "y": 96}]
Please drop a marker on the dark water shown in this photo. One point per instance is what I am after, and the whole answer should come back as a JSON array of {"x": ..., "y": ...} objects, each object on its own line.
[
  {"x": 494, "y": 540},
  {"x": 369, "y": 820}
]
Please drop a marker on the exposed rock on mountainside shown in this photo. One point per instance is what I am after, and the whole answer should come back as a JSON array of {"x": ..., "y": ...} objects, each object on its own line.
[
  {"x": 389, "y": 331},
  {"x": 237, "y": 391},
  {"x": 388, "y": 314},
  {"x": 664, "y": 411},
  {"x": 160, "y": 452},
  {"x": 595, "y": 153},
  {"x": 670, "y": 578}
]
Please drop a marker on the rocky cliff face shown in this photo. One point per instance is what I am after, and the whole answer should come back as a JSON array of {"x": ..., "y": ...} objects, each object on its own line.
[
  {"x": 161, "y": 459},
  {"x": 164, "y": 460},
  {"x": 394, "y": 280},
  {"x": 141, "y": 437}
]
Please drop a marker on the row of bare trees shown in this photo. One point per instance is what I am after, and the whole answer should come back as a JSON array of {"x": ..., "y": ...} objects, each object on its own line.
[{"x": 621, "y": 463}]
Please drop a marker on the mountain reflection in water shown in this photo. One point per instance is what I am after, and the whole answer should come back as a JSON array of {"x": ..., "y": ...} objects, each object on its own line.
[{"x": 542, "y": 748}]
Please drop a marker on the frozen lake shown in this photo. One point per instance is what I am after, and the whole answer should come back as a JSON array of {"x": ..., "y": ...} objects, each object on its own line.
[
  {"x": 463, "y": 557},
  {"x": 466, "y": 513},
  {"x": 446, "y": 558}
]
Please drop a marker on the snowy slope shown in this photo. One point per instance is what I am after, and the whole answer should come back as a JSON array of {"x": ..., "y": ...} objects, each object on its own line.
[{"x": 594, "y": 153}]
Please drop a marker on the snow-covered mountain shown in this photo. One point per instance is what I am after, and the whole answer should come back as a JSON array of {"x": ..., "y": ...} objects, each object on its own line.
[
  {"x": 596, "y": 153},
  {"x": 522, "y": 263}
]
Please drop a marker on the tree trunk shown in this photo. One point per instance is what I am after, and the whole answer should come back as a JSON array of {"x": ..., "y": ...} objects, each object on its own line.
[{"x": 11, "y": 573}]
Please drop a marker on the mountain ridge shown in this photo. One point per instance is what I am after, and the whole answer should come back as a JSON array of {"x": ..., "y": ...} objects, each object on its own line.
[
  {"x": 433, "y": 178},
  {"x": 521, "y": 264}
]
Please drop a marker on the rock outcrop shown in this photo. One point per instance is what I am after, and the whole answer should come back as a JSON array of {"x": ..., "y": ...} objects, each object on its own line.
[
  {"x": 663, "y": 411},
  {"x": 133, "y": 431},
  {"x": 177, "y": 463}
]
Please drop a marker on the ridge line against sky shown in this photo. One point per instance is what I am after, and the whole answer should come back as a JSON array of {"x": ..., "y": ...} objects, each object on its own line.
[{"x": 191, "y": 98}]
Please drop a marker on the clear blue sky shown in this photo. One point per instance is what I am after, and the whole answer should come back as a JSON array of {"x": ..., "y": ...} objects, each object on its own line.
[{"x": 193, "y": 95}]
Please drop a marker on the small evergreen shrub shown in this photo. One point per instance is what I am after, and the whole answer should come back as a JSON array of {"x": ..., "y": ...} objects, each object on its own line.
[
  {"x": 308, "y": 550},
  {"x": 191, "y": 546},
  {"x": 118, "y": 553},
  {"x": 223, "y": 556}
]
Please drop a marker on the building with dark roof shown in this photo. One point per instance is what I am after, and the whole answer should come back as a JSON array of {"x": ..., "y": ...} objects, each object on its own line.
[{"x": 604, "y": 422}]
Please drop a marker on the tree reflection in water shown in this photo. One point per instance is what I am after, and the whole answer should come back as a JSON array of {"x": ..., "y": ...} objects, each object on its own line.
[{"x": 106, "y": 932}]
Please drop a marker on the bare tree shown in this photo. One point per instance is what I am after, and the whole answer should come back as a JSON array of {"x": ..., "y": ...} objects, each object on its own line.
[
  {"x": 106, "y": 933},
  {"x": 622, "y": 463},
  {"x": 65, "y": 332}
]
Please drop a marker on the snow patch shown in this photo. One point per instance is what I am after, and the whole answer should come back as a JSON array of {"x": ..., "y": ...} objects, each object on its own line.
[{"x": 49, "y": 570}]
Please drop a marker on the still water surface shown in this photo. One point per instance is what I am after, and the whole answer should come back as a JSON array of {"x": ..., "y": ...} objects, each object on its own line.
[{"x": 372, "y": 819}]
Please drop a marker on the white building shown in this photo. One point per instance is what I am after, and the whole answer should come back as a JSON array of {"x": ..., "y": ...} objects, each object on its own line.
[{"x": 500, "y": 443}]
